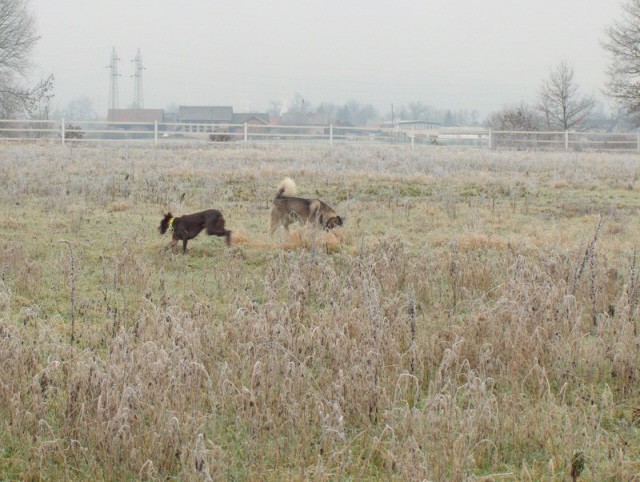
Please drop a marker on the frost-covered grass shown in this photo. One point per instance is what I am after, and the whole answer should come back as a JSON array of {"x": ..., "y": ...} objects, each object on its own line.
[{"x": 477, "y": 316}]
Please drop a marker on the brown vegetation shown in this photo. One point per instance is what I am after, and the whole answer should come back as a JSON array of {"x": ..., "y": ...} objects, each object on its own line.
[{"x": 475, "y": 318}]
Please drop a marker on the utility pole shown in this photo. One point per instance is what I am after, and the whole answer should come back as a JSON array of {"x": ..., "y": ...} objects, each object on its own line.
[
  {"x": 138, "y": 99},
  {"x": 113, "y": 80}
]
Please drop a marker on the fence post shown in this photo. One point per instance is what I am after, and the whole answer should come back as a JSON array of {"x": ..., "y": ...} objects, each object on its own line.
[
  {"x": 331, "y": 134},
  {"x": 566, "y": 141},
  {"x": 413, "y": 136},
  {"x": 245, "y": 132},
  {"x": 62, "y": 129},
  {"x": 155, "y": 133},
  {"x": 638, "y": 142},
  {"x": 490, "y": 140}
]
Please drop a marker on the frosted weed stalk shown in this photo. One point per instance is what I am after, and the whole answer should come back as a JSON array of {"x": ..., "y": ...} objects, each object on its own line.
[{"x": 72, "y": 288}]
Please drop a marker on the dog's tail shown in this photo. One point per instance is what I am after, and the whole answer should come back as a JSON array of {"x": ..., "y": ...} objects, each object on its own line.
[
  {"x": 286, "y": 188},
  {"x": 164, "y": 224}
]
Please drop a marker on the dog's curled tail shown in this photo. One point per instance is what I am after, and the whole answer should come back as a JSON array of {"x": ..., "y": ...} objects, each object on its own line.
[{"x": 286, "y": 188}]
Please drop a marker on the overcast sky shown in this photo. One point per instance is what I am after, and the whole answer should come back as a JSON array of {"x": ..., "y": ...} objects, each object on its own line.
[{"x": 450, "y": 54}]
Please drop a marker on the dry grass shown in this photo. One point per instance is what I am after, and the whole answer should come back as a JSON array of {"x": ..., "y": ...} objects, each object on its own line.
[{"x": 476, "y": 317}]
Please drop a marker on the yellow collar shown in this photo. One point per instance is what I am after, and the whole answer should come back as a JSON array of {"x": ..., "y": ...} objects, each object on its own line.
[{"x": 171, "y": 223}]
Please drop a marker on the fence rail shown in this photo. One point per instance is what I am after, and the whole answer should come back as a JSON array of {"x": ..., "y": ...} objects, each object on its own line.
[{"x": 190, "y": 133}]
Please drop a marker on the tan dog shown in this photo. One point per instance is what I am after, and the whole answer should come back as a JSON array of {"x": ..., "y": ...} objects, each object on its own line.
[{"x": 288, "y": 209}]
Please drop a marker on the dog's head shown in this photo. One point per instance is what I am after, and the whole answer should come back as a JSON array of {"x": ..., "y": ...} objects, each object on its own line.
[
  {"x": 333, "y": 222},
  {"x": 164, "y": 224}
]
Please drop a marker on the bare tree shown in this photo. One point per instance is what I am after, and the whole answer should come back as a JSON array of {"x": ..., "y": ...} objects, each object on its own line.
[
  {"x": 624, "y": 70},
  {"x": 559, "y": 100},
  {"x": 417, "y": 111},
  {"x": 459, "y": 118},
  {"x": 299, "y": 105},
  {"x": 275, "y": 108},
  {"x": 81, "y": 108},
  {"x": 356, "y": 114},
  {"x": 329, "y": 109},
  {"x": 17, "y": 39},
  {"x": 517, "y": 118}
]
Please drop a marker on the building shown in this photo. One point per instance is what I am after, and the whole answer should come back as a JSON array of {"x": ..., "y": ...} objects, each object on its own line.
[
  {"x": 205, "y": 114},
  {"x": 252, "y": 118},
  {"x": 307, "y": 123},
  {"x": 217, "y": 119},
  {"x": 411, "y": 125},
  {"x": 146, "y": 116}
]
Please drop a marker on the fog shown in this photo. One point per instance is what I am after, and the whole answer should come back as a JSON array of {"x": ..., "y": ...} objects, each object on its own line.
[{"x": 459, "y": 54}]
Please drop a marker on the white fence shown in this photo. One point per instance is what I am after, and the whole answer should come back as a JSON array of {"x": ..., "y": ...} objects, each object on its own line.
[{"x": 156, "y": 133}]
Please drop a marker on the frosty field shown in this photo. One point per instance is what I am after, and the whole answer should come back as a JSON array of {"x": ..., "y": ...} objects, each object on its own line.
[{"x": 475, "y": 318}]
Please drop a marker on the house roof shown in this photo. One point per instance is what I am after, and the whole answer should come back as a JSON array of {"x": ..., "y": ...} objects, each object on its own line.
[
  {"x": 188, "y": 113},
  {"x": 304, "y": 119},
  {"x": 135, "y": 115},
  {"x": 261, "y": 117}
]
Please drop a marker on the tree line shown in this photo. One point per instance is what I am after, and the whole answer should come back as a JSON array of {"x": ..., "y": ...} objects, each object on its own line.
[
  {"x": 559, "y": 104},
  {"x": 354, "y": 113}
]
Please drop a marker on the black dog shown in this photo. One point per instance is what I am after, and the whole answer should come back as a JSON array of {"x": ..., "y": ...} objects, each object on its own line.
[{"x": 190, "y": 225}]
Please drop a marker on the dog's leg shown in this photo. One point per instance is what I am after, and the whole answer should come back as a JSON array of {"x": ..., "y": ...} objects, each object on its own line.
[
  {"x": 171, "y": 244},
  {"x": 216, "y": 228},
  {"x": 225, "y": 232},
  {"x": 273, "y": 222},
  {"x": 289, "y": 219},
  {"x": 315, "y": 214},
  {"x": 184, "y": 245}
]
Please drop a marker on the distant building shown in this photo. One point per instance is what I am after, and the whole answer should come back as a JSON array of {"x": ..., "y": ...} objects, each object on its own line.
[
  {"x": 304, "y": 119},
  {"x": 205, "y": 114},
  {"x": 308, "y": 123},
  {"x": 171, "y": 117},
  {"x": 217, "y": 119},
  {"x": 255, "y": 118},
  {"x": 252, "y": 119},
  {"x": 412, "y": 125},
  {"x": 147, "y": 116}
]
